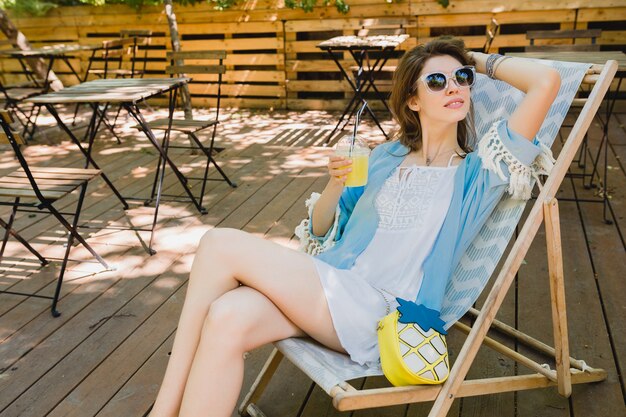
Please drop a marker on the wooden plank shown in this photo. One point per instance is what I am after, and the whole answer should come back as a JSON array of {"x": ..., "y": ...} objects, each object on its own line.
[
  {"x": 424, "y": 7},
  {"x": 197, "y": 55},
  {"x": 238, "y": 44},
  {"x": 244, "y": 76},
  {"x": 238, "y": 90},
  {"x": 601, "y": 14},
  {"x": 557, "y": 297},
  {"x": 466, "y": 19},
  {"x": 195, "y": 69}
]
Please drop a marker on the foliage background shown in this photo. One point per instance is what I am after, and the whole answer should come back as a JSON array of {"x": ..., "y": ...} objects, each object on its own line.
[{"x": 41, "y": 7}]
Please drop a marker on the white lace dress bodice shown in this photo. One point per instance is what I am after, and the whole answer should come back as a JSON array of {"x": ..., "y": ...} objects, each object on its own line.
[{"x": 411, "y": 205}]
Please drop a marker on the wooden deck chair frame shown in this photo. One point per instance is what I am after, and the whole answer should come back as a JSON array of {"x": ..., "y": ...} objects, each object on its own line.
[
  {"x": 568, "y": 370},
  {"x": 35, "y": 189}
]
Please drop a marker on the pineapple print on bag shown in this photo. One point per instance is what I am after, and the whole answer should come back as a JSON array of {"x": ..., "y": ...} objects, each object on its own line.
[{"x": 425, "y": 353}]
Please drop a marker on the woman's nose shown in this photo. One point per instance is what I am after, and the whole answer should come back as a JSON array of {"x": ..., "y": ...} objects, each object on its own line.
[{"x": 452, "y": 87}]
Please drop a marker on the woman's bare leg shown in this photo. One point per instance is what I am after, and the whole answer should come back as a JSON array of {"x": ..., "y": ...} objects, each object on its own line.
[
  {"x": 225, "y": 259},
  {"x": 239, "y": 321}
]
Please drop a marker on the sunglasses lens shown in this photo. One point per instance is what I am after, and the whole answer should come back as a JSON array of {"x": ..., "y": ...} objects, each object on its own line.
[
  {"x": 436, "y": 81},
  {"x": 464, "y": 77}
]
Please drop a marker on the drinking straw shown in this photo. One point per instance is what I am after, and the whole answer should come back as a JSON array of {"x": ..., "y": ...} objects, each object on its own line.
[{"x": 356, "y": 126}]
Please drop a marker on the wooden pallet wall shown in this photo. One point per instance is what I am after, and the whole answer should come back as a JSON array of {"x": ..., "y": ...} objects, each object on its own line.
[{"x": 272, "y": 58}]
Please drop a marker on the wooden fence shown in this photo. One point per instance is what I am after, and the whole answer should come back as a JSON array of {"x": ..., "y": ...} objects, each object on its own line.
[{"x": 272, "y": 58}]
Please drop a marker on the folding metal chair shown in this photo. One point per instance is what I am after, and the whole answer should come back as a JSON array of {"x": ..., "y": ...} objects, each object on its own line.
[
  {"x": 36, "y": 189},
  {"x": 209, "y": 63}
]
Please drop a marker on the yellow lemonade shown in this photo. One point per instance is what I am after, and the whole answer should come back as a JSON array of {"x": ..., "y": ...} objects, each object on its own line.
[{"x": 358, "y": 176}]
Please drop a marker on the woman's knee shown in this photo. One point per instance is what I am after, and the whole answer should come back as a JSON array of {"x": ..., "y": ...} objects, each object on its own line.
[
  {"x": 219, "y": 240},
  {"x": 227, "y": 323}
]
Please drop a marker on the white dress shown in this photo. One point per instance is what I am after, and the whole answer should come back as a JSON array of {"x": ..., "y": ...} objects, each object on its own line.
[{"x": 412, "y": 205}]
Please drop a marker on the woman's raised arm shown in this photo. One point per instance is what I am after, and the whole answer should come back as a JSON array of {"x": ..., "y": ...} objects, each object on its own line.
[{"x": 540, "y": 83}]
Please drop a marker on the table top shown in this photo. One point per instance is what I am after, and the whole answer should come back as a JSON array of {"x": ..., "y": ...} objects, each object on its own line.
[
  {"x": 52, "y": 50},
  {"x": 373, "y": 43},
  {"x": 591, "y": 57},
  {"x": 117, "y": 90}
]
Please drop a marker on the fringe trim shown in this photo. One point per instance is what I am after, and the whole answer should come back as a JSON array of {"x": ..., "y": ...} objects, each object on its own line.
[
  {"x": 492, "y": 151},
  {"x": 311, "y": 244}
]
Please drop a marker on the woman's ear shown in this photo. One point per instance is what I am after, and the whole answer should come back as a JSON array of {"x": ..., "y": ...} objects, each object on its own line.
[{"x": 413, "y": 103}]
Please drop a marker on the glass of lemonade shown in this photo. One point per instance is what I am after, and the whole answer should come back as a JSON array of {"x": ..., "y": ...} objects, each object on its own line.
[{"x": 359, "y": 154}]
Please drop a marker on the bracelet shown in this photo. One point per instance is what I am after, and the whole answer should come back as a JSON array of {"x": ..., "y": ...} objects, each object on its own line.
[
  {"x": 491, "y": 60},
  {"x": 497, "y": 64}
]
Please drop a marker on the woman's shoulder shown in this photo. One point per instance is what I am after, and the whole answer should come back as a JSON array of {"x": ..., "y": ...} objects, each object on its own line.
[{"x": 392, "y": 148}]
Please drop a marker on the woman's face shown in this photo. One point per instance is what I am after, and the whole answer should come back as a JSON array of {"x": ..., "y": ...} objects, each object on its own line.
[{"x": 448, "y": 105}]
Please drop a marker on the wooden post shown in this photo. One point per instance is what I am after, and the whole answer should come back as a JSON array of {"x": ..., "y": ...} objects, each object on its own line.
[
  {"x": 185, "y": 97},
  {"x": 19, "y": 41},
  {"x": 557, "y": 296}
]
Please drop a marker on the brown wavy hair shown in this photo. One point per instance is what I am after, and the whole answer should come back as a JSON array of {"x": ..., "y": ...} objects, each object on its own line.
[{"x": 405, "y": 86}]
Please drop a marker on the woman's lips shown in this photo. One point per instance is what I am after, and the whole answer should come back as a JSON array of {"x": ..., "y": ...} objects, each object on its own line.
[{"x": 456, "y": 104}]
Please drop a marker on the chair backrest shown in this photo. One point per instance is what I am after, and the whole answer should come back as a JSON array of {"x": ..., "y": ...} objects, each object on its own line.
[
  {"x": 577, "y": 34},
  {"x": 142, "y": 39},
  {"x": 493, "y": 29},
  {"x": 184, "y": 63},
  {"x": 113, "y": 54},
  {"x": 383, "y": 26},
  {"x": 494, "y": 100},
  {"x": 123, "y": 51}
]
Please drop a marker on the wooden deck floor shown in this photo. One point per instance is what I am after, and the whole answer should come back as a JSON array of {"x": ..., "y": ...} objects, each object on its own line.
[{"x": 106, "y": 354}]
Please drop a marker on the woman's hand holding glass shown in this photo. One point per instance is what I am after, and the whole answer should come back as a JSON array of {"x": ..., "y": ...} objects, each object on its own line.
[{"x": 338, "y": 168}]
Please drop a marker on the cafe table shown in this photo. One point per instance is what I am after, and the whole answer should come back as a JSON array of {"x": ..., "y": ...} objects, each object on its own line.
[
  {"x": 360, "y": 48},
  {"x": 52, "y": 53},
  {"x": 127, "y": 93}
]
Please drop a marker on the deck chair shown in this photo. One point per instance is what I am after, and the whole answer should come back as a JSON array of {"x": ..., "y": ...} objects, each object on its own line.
[
  {"x": 205, "y": 65},
  {"x": 35, "y": 189},
  {"x": 492, "y": 100}
]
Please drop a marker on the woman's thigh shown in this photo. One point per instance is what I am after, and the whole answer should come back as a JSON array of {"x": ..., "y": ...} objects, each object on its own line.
[{"x": 286, "y": 277}]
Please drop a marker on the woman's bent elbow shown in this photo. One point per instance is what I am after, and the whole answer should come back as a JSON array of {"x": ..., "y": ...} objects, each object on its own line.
[{"x": 552, "y": 82}]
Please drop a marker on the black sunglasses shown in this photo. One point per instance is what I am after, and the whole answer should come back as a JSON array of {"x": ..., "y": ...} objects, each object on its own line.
[{"x": 438, "y": 81}]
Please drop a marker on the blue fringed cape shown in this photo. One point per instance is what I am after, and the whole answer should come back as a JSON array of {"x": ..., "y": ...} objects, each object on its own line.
[{"x": 504, "y": 161}]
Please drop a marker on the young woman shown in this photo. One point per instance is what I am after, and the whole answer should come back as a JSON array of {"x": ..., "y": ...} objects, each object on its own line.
[{"x": 371, "y": 244}]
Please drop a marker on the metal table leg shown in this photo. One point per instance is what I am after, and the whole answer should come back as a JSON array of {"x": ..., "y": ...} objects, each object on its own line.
[{"x": 87, "y": 152}]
